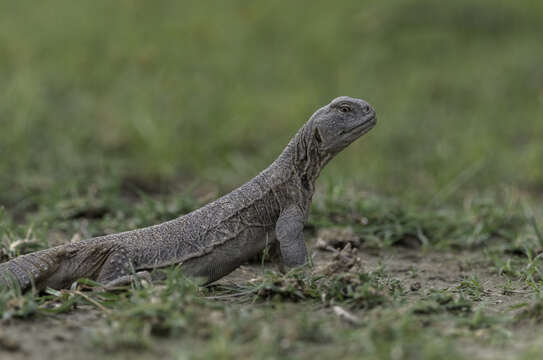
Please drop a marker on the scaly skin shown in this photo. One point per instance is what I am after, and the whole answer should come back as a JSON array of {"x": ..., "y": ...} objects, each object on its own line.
[{"x": 212, "y": 241}]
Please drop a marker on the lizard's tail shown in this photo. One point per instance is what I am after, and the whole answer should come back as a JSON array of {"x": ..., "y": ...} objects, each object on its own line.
[{"x": 26, "y": 270}]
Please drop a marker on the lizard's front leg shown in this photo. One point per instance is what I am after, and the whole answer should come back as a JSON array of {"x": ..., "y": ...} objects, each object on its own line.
[{"x": 289, "y": 230}]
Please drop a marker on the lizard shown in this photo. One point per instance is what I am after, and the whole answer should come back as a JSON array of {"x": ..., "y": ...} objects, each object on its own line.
[{"x": 212, "y": 241}]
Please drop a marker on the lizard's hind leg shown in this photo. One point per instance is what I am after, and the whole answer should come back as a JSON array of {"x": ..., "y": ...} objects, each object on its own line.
[
  {"x": 119, "y": 271},
  {"x": 129, "y": 279}
]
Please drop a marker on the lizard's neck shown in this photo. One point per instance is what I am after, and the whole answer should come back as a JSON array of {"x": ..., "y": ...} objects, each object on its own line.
[{"x": 303, "y": 155}]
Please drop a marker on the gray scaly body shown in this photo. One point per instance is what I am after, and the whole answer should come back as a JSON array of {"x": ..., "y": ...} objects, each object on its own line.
[{"x": 212, "y": 241}]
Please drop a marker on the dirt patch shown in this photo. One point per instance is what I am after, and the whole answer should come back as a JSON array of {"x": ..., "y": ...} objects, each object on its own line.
[
  {"x": 63, "y": 336},
  {"x": 67, "y": 336}
]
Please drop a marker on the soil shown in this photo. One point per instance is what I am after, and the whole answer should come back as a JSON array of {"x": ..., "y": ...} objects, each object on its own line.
[{"x": 67, "y": 336}]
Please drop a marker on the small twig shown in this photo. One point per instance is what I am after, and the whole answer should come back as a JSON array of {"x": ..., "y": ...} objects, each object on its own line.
[
  {"x": 218, "y": 297},
  {"x": 520, "y": 292},
  {"x": 346, "y": 316},
  {"x": 92, "y": 301}
]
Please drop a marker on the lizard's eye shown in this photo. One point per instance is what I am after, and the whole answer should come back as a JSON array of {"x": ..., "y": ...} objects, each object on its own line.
[{"x": 345, "y": 108}]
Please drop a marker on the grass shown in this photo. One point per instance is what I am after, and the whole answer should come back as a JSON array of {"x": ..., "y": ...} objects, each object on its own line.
[
  {"x": 118, "y": 115},
  {"x": 392, "y": 316},
  {"x": 214, "y": 91}
]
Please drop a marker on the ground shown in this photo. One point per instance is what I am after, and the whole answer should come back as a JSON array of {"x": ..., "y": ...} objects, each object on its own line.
[{"x": 358, "y": 299}]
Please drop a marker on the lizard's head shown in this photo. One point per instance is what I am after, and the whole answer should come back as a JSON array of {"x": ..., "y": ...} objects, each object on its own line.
[
  {"x": 329, "y": 130},
  {"x": 341, "y": 122}
]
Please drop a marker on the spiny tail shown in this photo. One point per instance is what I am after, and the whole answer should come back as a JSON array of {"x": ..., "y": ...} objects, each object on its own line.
[{"x": 27, "y": 270}]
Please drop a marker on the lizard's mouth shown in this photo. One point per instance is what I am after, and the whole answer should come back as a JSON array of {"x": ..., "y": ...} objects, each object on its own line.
[{"x": 362, "y": 128}]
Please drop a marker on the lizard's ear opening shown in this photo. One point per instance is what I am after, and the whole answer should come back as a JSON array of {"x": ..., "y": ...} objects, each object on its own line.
[{"x": 318, "y": 135}]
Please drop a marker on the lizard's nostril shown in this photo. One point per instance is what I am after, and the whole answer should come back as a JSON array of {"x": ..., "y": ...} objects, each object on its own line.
[{"x": 366, "y": 109}]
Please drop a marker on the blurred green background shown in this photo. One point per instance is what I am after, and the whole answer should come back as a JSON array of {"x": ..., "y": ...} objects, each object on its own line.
[{"x": 94, "y": 93}]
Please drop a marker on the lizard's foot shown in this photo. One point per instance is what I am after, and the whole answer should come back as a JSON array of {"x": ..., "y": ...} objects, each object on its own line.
[{"x": 129, "y": 279}]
